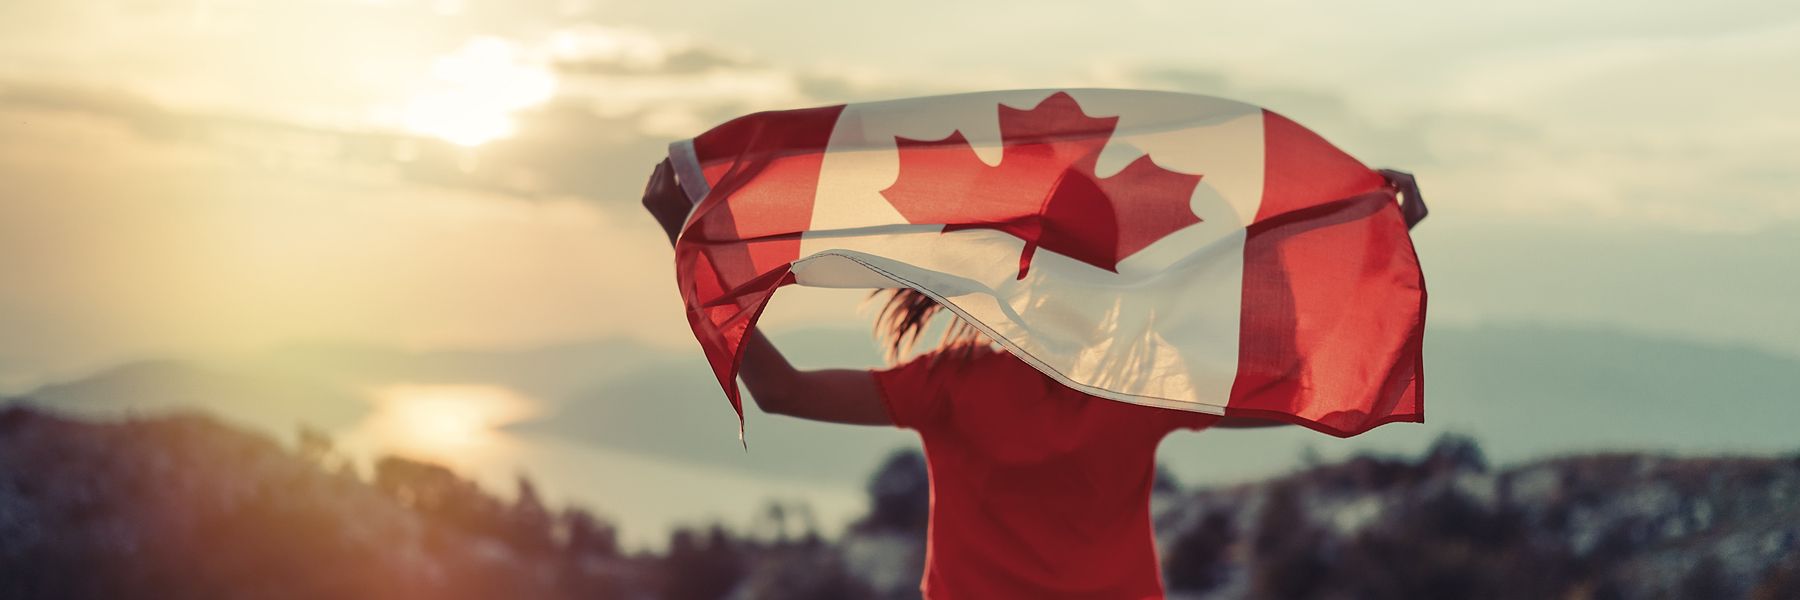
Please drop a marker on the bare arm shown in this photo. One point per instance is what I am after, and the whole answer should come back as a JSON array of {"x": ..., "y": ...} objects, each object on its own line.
[{"x": 832, "y": 395}]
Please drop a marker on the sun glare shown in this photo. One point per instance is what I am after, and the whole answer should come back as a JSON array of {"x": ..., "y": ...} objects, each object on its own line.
[
  {"x": 442, "y": 422},
  {"x": 475, "y": 91}
]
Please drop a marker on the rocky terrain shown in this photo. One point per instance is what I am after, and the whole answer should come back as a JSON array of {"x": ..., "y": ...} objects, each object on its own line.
[
  {"x": 1447, "y": 526},
  {"x": 185, "y": 507}
]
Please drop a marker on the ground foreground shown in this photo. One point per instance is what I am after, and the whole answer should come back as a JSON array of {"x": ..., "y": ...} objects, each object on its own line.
[{"x": 185, "y": 507}]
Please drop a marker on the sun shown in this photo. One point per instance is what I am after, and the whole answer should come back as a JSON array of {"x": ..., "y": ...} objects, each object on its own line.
[
  {"x": 443, "y": 421},
  {"x": 474, "y": 91}
]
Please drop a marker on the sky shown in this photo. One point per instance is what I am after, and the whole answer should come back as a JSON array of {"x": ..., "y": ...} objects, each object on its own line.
[
  {"x": 214, "y": 178},
  {"x": 209, "y": 176}
]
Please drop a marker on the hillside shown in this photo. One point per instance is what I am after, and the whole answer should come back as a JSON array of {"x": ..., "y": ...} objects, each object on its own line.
[
  {"x": 1446, "y": 526},
  {"x": 185, "y": 507}
]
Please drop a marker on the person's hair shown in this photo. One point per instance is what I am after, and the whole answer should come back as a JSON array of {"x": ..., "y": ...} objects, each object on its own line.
[{"x": 907, "y": 313}]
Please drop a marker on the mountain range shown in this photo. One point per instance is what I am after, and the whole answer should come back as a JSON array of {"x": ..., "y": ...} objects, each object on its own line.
[{"x": 1525, "y": 391}]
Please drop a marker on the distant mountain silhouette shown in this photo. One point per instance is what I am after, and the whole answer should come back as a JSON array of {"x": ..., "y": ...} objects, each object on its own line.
[
  {"x": 1524, "y": 391},
  {"x": 1529, "y": 391},
  {"x": 263, "y": 399},
  {"x": 550, "y": 373},
  {"x": 674, "y": 409},
  {"x": 325, "y": 385}
]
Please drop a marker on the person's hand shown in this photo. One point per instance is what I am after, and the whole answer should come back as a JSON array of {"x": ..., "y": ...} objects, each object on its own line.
[
  {"x": 1412, "y": 205},
  {"x": 665, "y": 200}
]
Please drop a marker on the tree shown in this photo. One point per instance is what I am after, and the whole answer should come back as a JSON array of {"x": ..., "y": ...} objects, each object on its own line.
[
  {"x": 1287, "y": 548},
  {"x": 584, "y": 534},
  {"x": 899, "y": 494},
  {"x": 528, "y": 522},
  {"x": 1196, "y": 560},
  {"x": 701, "y": 566}
]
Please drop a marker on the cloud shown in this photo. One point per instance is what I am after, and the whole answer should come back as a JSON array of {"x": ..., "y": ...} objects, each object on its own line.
[
  {"x": 134, "y": 246},
  {"x": 1333, "y": 115},
  {"x": 1664, "y": 131},
  {"x": 128, "y": 229},
  {"x": 589, "y": 51},
  {"x": 1612, "y": 114},
  {"x": 136, "y": 224},
  {"x": 1682, "y": 237},
  {"x": 618, "y": 97},
  {"x": 1682, "y": 134}
]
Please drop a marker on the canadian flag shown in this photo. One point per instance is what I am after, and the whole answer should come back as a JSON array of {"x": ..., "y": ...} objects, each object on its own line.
[{"x": 1163, "y": 249}]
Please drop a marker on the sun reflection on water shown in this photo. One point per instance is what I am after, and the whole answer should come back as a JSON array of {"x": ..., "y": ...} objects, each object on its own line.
[{"x": 454, "y": 424}]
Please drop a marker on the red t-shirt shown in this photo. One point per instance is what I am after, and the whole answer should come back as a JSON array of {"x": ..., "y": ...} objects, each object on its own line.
[{"x": 1037, "y": 490}]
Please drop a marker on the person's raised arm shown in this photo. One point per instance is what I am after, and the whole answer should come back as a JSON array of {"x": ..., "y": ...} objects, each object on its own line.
[{"x": 833, "y": 395}]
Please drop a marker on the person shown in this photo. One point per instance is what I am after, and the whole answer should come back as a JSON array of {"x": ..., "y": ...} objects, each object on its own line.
[{"x": 1037, "y": 490}]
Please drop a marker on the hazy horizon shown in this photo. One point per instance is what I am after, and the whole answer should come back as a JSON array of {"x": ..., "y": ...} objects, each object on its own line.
[
  {"x": 223, "y": 179},
  {"x": 643, "y": 435}
]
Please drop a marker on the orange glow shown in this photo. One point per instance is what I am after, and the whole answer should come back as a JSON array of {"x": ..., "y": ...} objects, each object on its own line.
[{"x": 442, "y": 422}]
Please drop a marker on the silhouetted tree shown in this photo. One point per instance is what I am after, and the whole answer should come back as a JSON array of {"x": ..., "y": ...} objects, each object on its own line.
[
  {"x": 312, "y": 445},
  {"x": 1455, "y": 452},
  {"x": 528, "y": 522},
  {"x": 899, "y": 494},
  {"x": 437, "y": 493},
  {"x": 817, "y": 574},
  {"x": 1287, "y": 548},
  {"x": 1195, "y": 561},
  {"x": 1165, "y": 481},
  {"x": 1707, "y": 579},
  {"x": 701, "y": 566},
  {"x": 586, "y": 535},
  {"x": 1782, "y": 582}
]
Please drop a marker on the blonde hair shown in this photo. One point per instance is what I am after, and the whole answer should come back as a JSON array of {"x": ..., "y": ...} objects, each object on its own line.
[{"x": 904, "y": 317}]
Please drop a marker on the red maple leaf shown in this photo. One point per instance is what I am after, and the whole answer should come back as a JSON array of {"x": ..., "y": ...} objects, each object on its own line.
[{"x": 1044, "y": 191}]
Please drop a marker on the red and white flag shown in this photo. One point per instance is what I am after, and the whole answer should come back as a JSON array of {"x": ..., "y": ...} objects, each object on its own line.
[{"x": 1163, "y": 249}]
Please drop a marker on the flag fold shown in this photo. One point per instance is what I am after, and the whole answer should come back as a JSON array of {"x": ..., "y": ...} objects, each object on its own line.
[{"x": 1157, "y": 248}]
